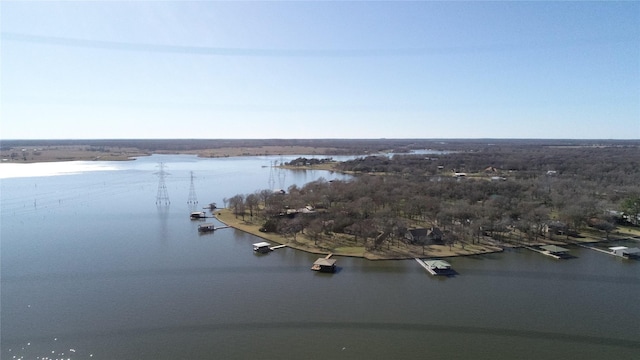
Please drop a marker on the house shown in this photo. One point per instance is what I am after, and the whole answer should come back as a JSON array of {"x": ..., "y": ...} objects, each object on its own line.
[
  {"x": 424, "y": 236},
  {"x": 416, "y": 236}
]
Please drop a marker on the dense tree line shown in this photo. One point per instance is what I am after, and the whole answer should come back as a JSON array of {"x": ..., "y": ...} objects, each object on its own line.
[{"x": 510, "y": 193}]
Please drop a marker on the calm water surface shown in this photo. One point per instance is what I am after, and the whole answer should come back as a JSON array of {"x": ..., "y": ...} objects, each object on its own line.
[{"x": 93, "y": 269}]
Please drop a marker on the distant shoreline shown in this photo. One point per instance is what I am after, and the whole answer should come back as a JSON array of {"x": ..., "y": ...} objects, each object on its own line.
[
  {"x": 32, "y": 151},
  {"x": 84, "y": 153}
]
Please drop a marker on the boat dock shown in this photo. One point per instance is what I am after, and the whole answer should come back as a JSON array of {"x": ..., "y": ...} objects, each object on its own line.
[
  {"x": 436, "y": 267},
  {"x": 209, "y": 227},
  {"x": 325, "y": 264},
  {"x": 619, "y": 251},
  {"x": 264, "y": 247},
  {"x": 423, "y": 264},
  {"x": 554, "y": 251}
]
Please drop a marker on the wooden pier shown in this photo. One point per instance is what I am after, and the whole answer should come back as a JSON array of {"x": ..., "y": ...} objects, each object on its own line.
[
  {"x": 553, "y": 251},
  {"x": 594, "y": 248},
  {"x": 277, "y": 247},
  {"x": 619, "y": 251},
  {"x": 423, "y": 264}
]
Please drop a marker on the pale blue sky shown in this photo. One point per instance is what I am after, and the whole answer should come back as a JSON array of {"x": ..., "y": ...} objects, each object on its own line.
[{"x": 202, "y": 69}]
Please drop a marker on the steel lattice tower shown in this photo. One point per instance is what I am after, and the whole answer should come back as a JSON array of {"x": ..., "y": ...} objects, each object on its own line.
[
  {"x": 272, "y": 180},
  {"x": 192, "y": 199},
  {"x": 163, "y": 195}
]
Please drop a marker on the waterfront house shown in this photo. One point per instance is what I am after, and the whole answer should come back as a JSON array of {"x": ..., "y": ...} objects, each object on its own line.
[{"x": 424, "y": 236}]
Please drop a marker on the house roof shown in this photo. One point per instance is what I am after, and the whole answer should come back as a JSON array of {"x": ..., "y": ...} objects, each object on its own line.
[
  {"x": 418, "y": 232},
  {"x": 434, "y": 232},
  {"x": 325, "y": 262}
]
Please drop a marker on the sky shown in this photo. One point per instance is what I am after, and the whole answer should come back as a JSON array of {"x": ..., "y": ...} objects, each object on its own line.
[{"x": 324, "y": 69}]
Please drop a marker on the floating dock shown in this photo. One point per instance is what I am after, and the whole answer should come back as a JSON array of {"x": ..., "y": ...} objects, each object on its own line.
[
  {"x": 436, "y": 267},
  {"x": 264, "y": 247},
  {"x": 209, "y": 227},
  {"x": 197, "y": 215},
  {"x": 325, "y": 264}
]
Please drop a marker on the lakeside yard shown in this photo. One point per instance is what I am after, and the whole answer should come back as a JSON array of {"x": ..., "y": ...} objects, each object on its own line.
[{"x": 346, "y": 245}]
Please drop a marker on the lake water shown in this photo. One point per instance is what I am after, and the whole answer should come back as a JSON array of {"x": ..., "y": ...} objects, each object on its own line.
[{"x": 92, "y": 268}]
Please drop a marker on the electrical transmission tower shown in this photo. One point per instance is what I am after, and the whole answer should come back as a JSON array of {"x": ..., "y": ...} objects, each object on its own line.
[
  {"x": 192, "y": 199},
  {"x": 272, "y": 180},
  {"x": 282, "y": 174},
  {"x": 163, "y": 195}
]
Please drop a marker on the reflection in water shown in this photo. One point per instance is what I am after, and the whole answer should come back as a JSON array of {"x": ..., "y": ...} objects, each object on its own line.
[{"x": 163, "y": 220}]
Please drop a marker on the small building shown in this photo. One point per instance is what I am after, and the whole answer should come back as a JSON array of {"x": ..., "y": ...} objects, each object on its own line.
[
  {"x": 196, "y": 215},
  {"x": 555, "y": 251},
  {"x": 206, "y": 227},
  {"x": 324, "y": 265},
  {"x": 625, "y": 252},
  {"x": 262, "y": 247}
]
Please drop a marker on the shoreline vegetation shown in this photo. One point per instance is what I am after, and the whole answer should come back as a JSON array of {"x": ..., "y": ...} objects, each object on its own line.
[{"x": 344, "y": 245}]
